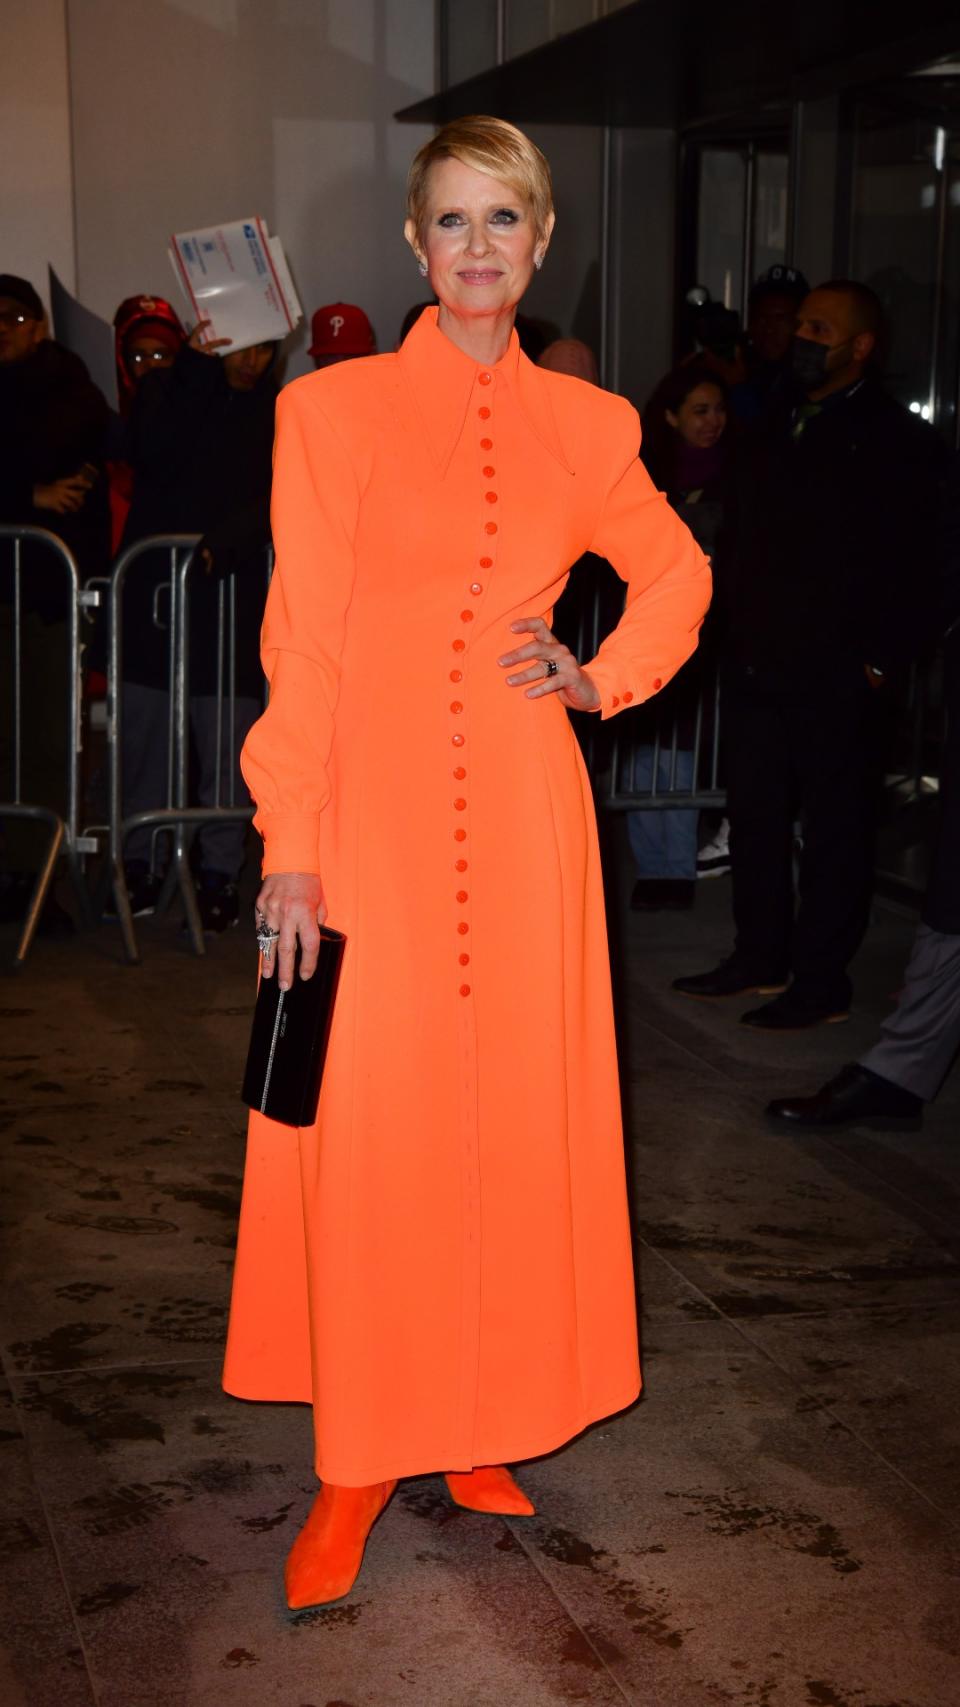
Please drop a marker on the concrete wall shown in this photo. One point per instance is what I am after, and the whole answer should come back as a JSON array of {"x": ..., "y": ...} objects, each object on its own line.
[
  {"x": 192, "y": 112},
  {"x": 35, "y": 165}
]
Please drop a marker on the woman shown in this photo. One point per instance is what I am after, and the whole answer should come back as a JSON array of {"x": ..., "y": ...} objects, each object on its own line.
[
  {"x": 442, "y": 1264},
  {"x": 685, "y": 448}
]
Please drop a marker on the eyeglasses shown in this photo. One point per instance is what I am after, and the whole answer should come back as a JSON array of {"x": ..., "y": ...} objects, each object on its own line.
[{"x": 150, "y": 358}]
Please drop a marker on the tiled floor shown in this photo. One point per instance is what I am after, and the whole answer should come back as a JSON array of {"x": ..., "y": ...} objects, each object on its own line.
[{"x": 774, "y": 1525}]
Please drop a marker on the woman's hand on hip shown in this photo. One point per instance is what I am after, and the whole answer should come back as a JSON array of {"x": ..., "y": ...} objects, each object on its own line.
[
  {"x": 292, "y": 903},
  {"x": 542, "y": 653}
]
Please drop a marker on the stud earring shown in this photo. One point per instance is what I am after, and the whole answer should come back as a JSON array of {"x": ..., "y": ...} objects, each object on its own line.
[
  {"x": 538, "y": 261},
  {"x": 423, "y": 269}
]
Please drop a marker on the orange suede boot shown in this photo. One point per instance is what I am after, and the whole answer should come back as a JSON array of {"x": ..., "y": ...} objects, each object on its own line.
[
  {"x": 491, "y": 1489},
  {"x": 324, "y": 1561}
]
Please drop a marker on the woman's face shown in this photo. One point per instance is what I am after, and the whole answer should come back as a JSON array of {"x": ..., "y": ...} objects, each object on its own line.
[
  {"x": 701, "y": 417},
  {"x": 478, "y": 240}
]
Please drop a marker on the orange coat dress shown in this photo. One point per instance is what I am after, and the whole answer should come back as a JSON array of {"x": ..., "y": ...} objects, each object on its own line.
[{"x": 442, "y": 1264}]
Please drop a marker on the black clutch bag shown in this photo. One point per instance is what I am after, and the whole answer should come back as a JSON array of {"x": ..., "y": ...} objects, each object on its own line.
[{"x": 288, "y": 1044}]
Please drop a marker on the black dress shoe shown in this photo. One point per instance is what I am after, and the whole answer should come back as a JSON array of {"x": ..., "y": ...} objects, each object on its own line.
[
  {"x": 855, "y": 1097},
  {"x": 795, "y": 1013},
  {"x": 654, "y": 894},
  {"x": 730, "y": 978}
]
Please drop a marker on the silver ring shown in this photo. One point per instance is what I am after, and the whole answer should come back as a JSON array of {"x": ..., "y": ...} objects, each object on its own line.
[
  {"x": 551, "y": 666},
  {"x": 266, "y": 939}
]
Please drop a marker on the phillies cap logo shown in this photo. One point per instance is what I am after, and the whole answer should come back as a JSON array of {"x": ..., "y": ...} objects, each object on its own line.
[{"x": 336, "y": 321}]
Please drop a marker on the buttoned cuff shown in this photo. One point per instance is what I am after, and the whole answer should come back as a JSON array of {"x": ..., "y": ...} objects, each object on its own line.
[
  {"x": 291, "y": 842},
  {"x": 617, "y": 689}
]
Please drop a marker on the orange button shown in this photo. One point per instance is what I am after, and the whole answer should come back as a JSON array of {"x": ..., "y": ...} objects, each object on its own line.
[
  {"x": 459, "y": 646},
  {"x": 460, "y": 804},
  {"x": 459, "y": 773},
  {"x": 466, "y": 616},
  {"x": 464, "y": 989},
  {"x": 491, "y": 497},
  {"x": 485, "y": 378},
  {"x": 657, "y": 684},
  {"x": 486, "y": 562},
  {"x": 456, "y": 707},
  {"x": 464, "y": 959},
  {"x": 486, "y": 444},
  {"x": 457, "y": 740},
  {"x": 627, "y": 698},
  {"x": 460, "y": 865},
  {"x": 462, "y": 896},
  {"x": 476, "y": 588},
  {"x": 484, "y": 413},
  {"x": 615, "y": 701},
  {"x": 463, "y": 927},
  {"x": 459, "y": 835},
  {"x": 489, "y": 527},
  {"x": 456, "y": 675},
  {"x": 488, "y": 472}
]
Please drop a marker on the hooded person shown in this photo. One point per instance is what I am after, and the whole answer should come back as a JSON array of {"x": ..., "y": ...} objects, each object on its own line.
[
  {"x": 148, "y": 338},
  {"x": 201, "y": 443}
]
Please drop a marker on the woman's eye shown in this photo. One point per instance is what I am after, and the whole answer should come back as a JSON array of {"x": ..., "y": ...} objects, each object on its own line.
[
  {"x": 505, "y": 216},
  {"x": 448, "y": 219}
]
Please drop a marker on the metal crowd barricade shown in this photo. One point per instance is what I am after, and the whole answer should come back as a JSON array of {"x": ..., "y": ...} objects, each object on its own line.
[
  {"x": 172, "y": 814},
  {"x": 63, "y": 824},
  {"x": 621, "y": 755}
]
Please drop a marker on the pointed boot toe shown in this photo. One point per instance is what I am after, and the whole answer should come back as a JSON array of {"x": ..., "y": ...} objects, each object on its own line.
[
  {"x": 491, "y": 1489},
  {"x": 324, "y": 1562}
]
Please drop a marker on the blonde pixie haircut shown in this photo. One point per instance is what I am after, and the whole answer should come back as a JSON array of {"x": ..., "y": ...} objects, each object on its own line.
[{"x": 488, "y": 145}]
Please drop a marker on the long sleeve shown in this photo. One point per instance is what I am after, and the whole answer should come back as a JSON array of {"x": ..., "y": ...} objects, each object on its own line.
[
  {"x": 314, "y": 512},
  {"x": 667, "y": 576}
]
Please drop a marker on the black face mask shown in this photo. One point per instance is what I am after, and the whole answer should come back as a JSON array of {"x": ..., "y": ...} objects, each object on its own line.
[{"x": 809, "y": 359}]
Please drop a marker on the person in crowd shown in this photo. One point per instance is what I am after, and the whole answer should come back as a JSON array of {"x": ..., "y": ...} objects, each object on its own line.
[
  {"x": 53, "y": 422},
  {"x": 685, "y": 447},
  {"x": 148, "y": 336},
  {"x": 201, "y": 436},
  {"x": 765, "y": 376},
  {"x": 918, "y": 1043},
  {"x": 822, "y": 594},
  {"x": 573, "y": 356},
  {"x": 415, "y": 773},
  {"x": 339, "y": 332}
]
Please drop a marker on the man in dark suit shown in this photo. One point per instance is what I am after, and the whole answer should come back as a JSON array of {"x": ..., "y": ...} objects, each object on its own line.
[
  {"x": 905, "y": 1068},
  {"x": 823, "y": 592}
]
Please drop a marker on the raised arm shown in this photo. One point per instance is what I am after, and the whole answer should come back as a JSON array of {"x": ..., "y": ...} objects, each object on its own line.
[{"x": 668, "y": 582}]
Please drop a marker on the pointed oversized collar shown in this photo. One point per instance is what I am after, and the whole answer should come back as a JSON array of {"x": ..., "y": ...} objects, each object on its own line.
[{"x": 442, "y": 378}]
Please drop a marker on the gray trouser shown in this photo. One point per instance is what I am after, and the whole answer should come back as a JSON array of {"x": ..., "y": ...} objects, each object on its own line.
[
  {"x": 920, "y": 1038},
  {"x": 145, "y": 749}
]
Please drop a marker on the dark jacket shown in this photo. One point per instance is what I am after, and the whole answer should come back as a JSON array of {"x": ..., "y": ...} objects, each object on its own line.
[
  {"x": 941, "y": 909},
  {"x": 53, "y": 420},
  {"x": 201, "y": 455},
  {"x": 828, "y": 559}
]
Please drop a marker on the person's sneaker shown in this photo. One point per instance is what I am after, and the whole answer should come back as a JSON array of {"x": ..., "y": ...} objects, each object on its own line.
[
  {"x": 730, "y": 978},
  {"x": 143, "y": 888},
  {"x": 219, "y": 902},
  {"x": 856, "y": 1097},
  {"x": 652, "y": 894},
  {"x": 713, "y": 860},
  {"x": 791, "y": 1012}
]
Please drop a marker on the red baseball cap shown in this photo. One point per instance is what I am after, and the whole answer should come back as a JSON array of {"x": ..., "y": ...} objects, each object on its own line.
[{"x": 341, "y": 329}]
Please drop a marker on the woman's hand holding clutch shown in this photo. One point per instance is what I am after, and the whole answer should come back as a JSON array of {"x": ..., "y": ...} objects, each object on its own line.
[{"x": 291, "y": 903}]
